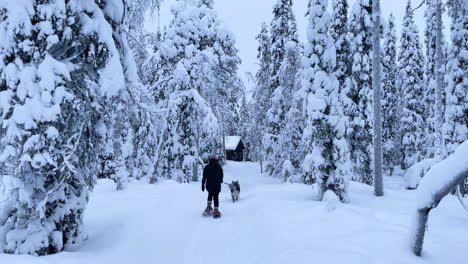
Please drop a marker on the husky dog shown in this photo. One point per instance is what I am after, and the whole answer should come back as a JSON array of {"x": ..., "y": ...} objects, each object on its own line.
[{"x": 235, "y": 190}]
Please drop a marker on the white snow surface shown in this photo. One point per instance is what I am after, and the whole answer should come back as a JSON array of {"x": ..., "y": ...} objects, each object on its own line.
[
  {"x": 231, "y": 142},
  {"x": 272, "y": 223}
]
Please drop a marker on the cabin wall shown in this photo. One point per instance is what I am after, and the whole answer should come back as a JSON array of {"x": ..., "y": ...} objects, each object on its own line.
[{"x": 237, "y": 154}]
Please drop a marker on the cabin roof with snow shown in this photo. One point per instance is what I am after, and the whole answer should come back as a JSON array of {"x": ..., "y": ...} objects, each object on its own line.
[{"x": 231, "y": 142}]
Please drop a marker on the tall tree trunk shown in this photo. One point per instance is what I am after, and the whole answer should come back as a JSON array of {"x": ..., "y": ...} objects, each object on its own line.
[
  {"x": 195, "y": 172},
  {"x": 440, "y": 144},
  {"x": 195, "y": 168},
  {"x": 224, "y": 138},
  {"x": 376, "y": 84},
  {"x": 261, "y": 164}
]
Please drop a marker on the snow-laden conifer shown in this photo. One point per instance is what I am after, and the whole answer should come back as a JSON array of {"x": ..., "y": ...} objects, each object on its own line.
[
  {"x": 283, "y": 32},
  {"x": 359, "y": 104},
  {"x": 456, "y": 79},
  {"x": 324, "y": 134},
  {"x": 391, "y": 100},
  {"x": 60, "y": 63},
  {"x": 411, "y": 80}
]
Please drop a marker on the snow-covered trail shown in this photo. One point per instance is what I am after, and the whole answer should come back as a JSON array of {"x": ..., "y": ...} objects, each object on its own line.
[{"x": 272, "y": 223}]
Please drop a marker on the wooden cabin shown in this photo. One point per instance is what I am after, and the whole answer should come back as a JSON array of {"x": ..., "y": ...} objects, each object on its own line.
[{"x": 234, "y": 148}]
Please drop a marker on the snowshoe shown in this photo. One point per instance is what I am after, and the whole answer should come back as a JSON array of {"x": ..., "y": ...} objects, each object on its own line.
[
  {"x": 208, "y": 211},
  {"x": 216, "y": 213}
]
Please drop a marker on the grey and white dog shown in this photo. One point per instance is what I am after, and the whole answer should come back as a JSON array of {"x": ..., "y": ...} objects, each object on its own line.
[{"x": 235, "y": 190}]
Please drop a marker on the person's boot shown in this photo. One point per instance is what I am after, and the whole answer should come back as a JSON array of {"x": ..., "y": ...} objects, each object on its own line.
[
  {"x": 209, "y": 210},
  {"x": 216, "y": 213}
]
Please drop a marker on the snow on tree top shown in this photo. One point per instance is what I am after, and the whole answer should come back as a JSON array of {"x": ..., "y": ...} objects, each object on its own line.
[{"x": 231, "y": 142}]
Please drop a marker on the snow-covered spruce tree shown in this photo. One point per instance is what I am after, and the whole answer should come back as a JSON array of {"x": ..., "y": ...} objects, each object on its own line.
[
  {"x": 262, "y": 93},
  {"x": 112, "y": 129},
  {"x": 190, "y": 59},
  {"x": 116, "y": 130},
  {"x": 247, "y": 130},
  {"x": 226, "y": 102},
  {"x": 283, "y": 31},
  {"x": 287, "y": 155},
  {"x": 219, "y": 85},
  {"x": 60, "y": 61},
  {"x": 127, "y": 114},
  {"x": 250, "y": 135},
  {"x": 139, "y": 39},
  {"x": 324, "y": 133},
  {"x": 245, "y": 123},
  {"x": 148, "y": 130},
  {"x": 145, "y": 122},
  {"x": 339, "y": 28},
  {"x": 291, "y": 139},
  {"x": 456, "y": 101},
  {"x": 288, "y": 71},
  {"x": 429, "y": 71},
  {"x": 411, "y": 74},
  {"x": 455, "y": 128},
  {"x": 359, "y": 106},
  {"x": 280, "y": 104},
  {"x": 189, "y": 118},
  {"x": 434, "y": 90},
  {"x": 249, "y": 127},
  {"x": 106, "y": 167},
  {"x": 339, "y": 32},
  {"x": 391, "y": 100},
  {"x": 222, "y": 85},
  {"x": 122, "y": 140},
  {"x": 223, "y": 88}
]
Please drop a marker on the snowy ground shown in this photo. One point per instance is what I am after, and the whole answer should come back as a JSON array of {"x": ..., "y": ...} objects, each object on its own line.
[{"x": 272, "y": 223}]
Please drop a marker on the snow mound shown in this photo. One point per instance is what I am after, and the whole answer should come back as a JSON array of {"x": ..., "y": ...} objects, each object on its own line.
[{"x": 331, "y": 200}]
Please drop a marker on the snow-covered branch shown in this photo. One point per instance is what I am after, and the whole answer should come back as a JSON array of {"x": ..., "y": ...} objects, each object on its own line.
[{"x": 441, "y": 179}]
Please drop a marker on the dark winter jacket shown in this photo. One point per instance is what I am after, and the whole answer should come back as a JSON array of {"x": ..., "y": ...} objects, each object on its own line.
[{"x": 213, "y": 176}]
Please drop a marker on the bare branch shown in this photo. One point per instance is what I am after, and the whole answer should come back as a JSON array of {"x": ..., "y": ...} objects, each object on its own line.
[{"x": 419, "y": 6}]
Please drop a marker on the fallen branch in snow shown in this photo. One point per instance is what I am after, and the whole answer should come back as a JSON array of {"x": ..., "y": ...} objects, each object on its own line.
[{"x": 441, "y": 179}]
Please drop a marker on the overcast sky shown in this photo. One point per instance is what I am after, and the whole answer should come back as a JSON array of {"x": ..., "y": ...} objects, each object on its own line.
[{"x": 244, "y": 17}]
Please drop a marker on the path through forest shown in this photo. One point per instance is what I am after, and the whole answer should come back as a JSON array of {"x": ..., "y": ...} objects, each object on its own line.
[{"x": 272, "y": 223}]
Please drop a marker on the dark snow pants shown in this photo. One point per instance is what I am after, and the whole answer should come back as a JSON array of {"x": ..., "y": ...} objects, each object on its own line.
[{"x": 215, "y": 197}]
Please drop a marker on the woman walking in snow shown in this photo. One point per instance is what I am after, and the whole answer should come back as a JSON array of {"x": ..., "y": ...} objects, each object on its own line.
[{"x": 212, "y": 180}]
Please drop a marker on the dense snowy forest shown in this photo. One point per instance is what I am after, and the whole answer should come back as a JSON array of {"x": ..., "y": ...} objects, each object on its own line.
[{"x": 88, "y": 95}]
